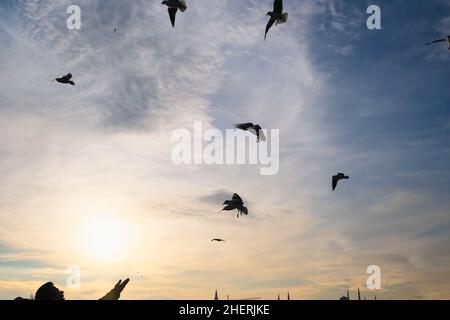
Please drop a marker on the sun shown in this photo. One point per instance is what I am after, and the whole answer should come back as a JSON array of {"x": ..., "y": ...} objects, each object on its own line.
[{"x": 107, "y": 238}]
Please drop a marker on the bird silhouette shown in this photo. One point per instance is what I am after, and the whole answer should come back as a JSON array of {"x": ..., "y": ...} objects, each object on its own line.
[
  {"x": 276, "y": 15},
  {"x": 173, "y": 6},
  {"x": 218, "y": 240},
  {"x": 253, "y": 128},
  {"x": 235, "y": 203},
  {"x": 441, "y": 40},
  {"x": 66, "y": 79},
  {"x": 336, "y": 178}
]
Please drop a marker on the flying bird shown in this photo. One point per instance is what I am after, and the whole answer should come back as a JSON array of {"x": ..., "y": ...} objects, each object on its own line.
[
  {"x": 173, "y": 6},
  {"x": 276, "y": 15},
  {"x": 235, "y": 203},
  {"x": 336, "y": 178},
  {"x": 218, "y": 240},
  {"x": 66, "y": 79},
  {"x": 441, "y": 40},
  {"x": 253, "y": 128}
]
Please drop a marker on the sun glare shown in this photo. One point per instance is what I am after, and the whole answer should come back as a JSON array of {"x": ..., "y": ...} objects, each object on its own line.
[{"x": 107, "y": 238}]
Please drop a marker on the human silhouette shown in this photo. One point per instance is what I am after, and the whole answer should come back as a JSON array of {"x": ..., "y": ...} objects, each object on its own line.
[{"x": 49, "y": 291}]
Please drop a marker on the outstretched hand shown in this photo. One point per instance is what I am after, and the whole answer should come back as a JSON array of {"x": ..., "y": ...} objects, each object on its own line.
[{"x": 114, "y": 294}]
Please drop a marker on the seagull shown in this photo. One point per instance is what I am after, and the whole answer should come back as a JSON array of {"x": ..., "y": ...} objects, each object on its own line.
[
  {"x": 253, "y": 128},
  {"x": 336, "y": 178},
  {"x": 276, "y": 15},
  {"x": 66, "y": 79},
  {"x": 441, "y": 40},
  {"x": 173, "y": 6},
  {"x": 235, "y": 203},
  {"x": 218, "y": 240}
]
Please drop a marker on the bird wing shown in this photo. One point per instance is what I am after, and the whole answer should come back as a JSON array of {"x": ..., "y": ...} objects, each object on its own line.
[
  {"x": 172, "y": 14},
  {"x": 243, "y": 126},
  {"x": 278, "y": 6},
  {"x": 259, "y": 132},
  {"x": 229, "y": 208},
  {"x": 237, "y": 198},
  {"x": 68, "y": 76},
  {"x": 262, "y": 137},
  {"x": 436, "y": 41},
  {"x": 334, "y": 183},
  {"x": 269, "y": 25}
]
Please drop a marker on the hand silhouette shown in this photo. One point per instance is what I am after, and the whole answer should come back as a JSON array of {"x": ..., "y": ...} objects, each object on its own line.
[{"x": 114, "y": 294}]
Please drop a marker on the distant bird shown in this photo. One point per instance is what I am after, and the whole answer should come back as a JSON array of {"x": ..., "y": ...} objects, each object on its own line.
[
  {"x": 336, "y": 178},
  {"x": 441, "y": 40},
  {"x": 218, "y": 240},
  {"x": 276, "y": 15},
  {"x": 253, "y": 128},
  {"x": 235, "y": 203},
  {"x": 115, "y": 29},
  {"x": 173, "y": 6},
  {"x": 66, "y": 79}
]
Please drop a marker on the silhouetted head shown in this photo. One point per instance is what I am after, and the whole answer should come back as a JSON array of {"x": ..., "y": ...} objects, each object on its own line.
[
  {"x": 48, "y": 291},
  {"x": 269, "y": 13}
]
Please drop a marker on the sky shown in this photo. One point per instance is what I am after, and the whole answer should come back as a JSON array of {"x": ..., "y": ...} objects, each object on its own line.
[{"x": 87, "y": 178}]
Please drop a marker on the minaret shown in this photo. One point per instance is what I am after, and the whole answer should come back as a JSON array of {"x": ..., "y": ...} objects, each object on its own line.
[
  {"x": 375, "y": 297},
  {"x": 359, "y": 295},
  {"x": 289, "y": 298},
  {"x": 278, "y": 296},
  {"x": 348, "y": 295},
  {"x": 216, "y": 296}
]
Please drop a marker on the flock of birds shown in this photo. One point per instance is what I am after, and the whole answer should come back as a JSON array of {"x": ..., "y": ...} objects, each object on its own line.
[{"x": 277, "y": 16}]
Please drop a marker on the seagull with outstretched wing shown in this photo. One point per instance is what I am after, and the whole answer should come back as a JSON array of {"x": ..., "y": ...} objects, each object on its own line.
[
  {"x": 235, "y": 203},
  {"x": 173, "y": 7},
  {"x": 335, "y": 179},
  {"x": 66, "y": 79},
  {"x": 253, "y": 128},
  {"x": 276, "y": 15}
]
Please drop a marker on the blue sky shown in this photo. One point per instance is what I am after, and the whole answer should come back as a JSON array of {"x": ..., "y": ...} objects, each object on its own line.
[{"x": 373, "y": 104}]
